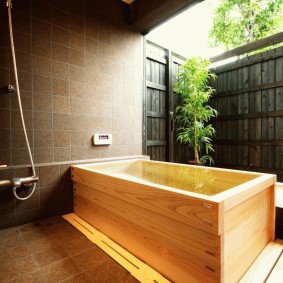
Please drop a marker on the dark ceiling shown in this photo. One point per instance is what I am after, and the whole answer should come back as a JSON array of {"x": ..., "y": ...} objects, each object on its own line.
[{"x": 143, "y": 15}]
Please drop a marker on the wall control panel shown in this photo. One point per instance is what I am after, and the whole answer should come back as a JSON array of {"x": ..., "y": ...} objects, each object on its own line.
[{"x": 102, "y": 139}]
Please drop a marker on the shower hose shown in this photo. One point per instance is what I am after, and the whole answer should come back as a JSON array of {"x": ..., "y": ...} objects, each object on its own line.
[{"x": 9, "y": 5}]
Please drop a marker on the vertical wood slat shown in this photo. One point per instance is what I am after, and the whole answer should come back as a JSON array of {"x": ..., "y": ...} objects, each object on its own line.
[
  {"x": 159, "y": 101},
  {"x": 256, "y": 140},
  {"x": 155, "y": 101}
]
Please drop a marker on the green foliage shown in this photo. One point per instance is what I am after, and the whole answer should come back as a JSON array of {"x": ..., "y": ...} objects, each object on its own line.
[
  {"x": 193, "y": 112},
  {"x": 238, "y": 22}
]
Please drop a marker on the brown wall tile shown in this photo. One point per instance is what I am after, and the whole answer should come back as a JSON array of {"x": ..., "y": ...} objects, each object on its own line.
[
  {"x": 20, "y": 156},
  {"x": 41, "y": 65},
  {"x": 43, "y": 120},
  {"x": 92, "y": 31},
  {"x": 5, "y": 139},
  {"x": 17, "y": 121},
  {"x": 25, "y": 80},
  {"x": 24, "y": 62},
  {"x": 26, "y": 216},
  {"x": 41, "y": 10},
  {"x": 78, "y": 122},
  {"x": 31, "y": 203},
  {"x": 4, "y": 77},
  {"x": 5, "y": 118},
  {"x": 42, "y": 84},
  {"x": 41, "y": 29},
  {"x": 60, "y": 53},
  {"x": 78, "y": 138},
  {"x": 92, "y": 46},
  {"x": 18, "y": 138},
  {"x": 61, "y": 104},
  {"x": 26, "y": 99},
  {"x": 7, "y": 220},
  {"x": 43, "y": 138},
  {"x": 7, "y": 202},
  {"x": 60, "y": 36},
  {"x": 62, "y": 154},
  {"x": 79, "y": 72},
  {"x": 78, "y": 153},
  {"x": 60, "y": 70},
  {"x": 62, "y": 138},
  {"x": 42, "y": 102},
  {"x": 5, "y": 156},
  {"x": 61, "y": 87},
  {"x": 41, "y": 46},
  {"x": 22, "y": 41},
  {"x": 77, "y": 41},
  {"x": 43, "y": 155},
  {"x": 78, "y": 90},
  {"x": 49, "y": 176},
  {"x": 59, "y": 17},
  {"x": 76, "y": 24},
  {"x": 77, "y": 57},
  {"x": 61, "y": 122},
  {"x": 61, "y": 5}
]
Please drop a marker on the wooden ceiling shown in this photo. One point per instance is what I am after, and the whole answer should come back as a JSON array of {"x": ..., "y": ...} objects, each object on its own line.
[{"x": 143, "y": 15}]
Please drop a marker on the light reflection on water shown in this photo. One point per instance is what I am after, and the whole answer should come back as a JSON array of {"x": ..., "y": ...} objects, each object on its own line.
[{"x": 202, "y": 180}]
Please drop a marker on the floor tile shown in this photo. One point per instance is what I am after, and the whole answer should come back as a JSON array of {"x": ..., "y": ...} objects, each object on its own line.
[
  {"x": 61, "y": 270},
  {"x": 77, "y": 245},
  {"x": 13, "y": 269},
  {"x": 108, "y": 272},
  {"x": 15, "y": 253},
  {"x": 79, "y": 278},
  {"x": 52, "y": 250},
  {"x": 34, "y": 235},
  {"x": 42, "y": 244},
  {"x": 50, "y": 256},
  {"x": 90, "y": 258},
  {"x": 34, "y": 277}
]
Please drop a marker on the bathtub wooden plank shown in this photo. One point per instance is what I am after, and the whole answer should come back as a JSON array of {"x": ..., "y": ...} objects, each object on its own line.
[
  {"x": 168, "y": 246},
  {"x": 140, "y": 270},
  {"x": 202, "y": 214},
  {"x": 210, "y": 239},
  {"x": 264, "y": 264},
  {"x": 246, "y": 233}
]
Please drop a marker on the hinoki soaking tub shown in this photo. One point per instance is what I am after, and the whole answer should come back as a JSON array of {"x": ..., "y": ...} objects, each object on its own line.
[{"x": 190, "y": 223}]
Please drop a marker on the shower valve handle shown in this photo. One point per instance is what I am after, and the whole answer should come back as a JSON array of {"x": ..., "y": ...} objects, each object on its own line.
[{"x": 17, "y": 182}]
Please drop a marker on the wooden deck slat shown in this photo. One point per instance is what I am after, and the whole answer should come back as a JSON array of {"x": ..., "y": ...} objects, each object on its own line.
[
  {"x": 279, "y": 195},
  {"x": 266, "y": 264},
  {"x": 276, "y": 275}
]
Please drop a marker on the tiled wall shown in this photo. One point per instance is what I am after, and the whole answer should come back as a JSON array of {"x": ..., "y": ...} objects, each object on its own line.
[{"x": 80, "y": 72}]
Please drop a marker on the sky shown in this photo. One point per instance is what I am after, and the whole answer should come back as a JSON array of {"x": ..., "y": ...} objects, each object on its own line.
[{"x": 187, "y": 33}]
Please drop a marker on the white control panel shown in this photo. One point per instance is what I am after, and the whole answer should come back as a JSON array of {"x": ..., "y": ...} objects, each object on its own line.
[{"x": 102, "y": 139}]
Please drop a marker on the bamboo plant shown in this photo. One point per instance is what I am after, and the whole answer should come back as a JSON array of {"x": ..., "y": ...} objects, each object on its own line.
[{"x": 193, "y": 112}]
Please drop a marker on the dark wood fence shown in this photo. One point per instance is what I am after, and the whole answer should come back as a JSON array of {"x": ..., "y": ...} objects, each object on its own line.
[
  {"x": 249, "y": 98},
  {"x": 161, "y": 67}
]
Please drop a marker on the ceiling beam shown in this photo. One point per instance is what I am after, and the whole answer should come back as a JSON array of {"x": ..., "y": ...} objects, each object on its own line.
[{"x": 148, "y": 14}]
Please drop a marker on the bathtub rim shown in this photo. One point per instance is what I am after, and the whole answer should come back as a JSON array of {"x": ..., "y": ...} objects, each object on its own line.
[{"x": 244, "y": 190}]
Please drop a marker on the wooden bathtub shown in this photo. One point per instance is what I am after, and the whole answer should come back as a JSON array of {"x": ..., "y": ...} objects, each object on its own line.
[{"x": 190, "y": 223}]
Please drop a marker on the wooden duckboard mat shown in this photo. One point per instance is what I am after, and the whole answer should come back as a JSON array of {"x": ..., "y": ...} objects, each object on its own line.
[{"x": 136, "y": 267}]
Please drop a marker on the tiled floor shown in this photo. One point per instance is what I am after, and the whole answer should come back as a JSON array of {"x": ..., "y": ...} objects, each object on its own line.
[{"x": 52, "y": 250}]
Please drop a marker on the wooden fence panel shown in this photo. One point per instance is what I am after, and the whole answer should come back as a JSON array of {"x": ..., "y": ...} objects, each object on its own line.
[{"x": 250, "y": 102}]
